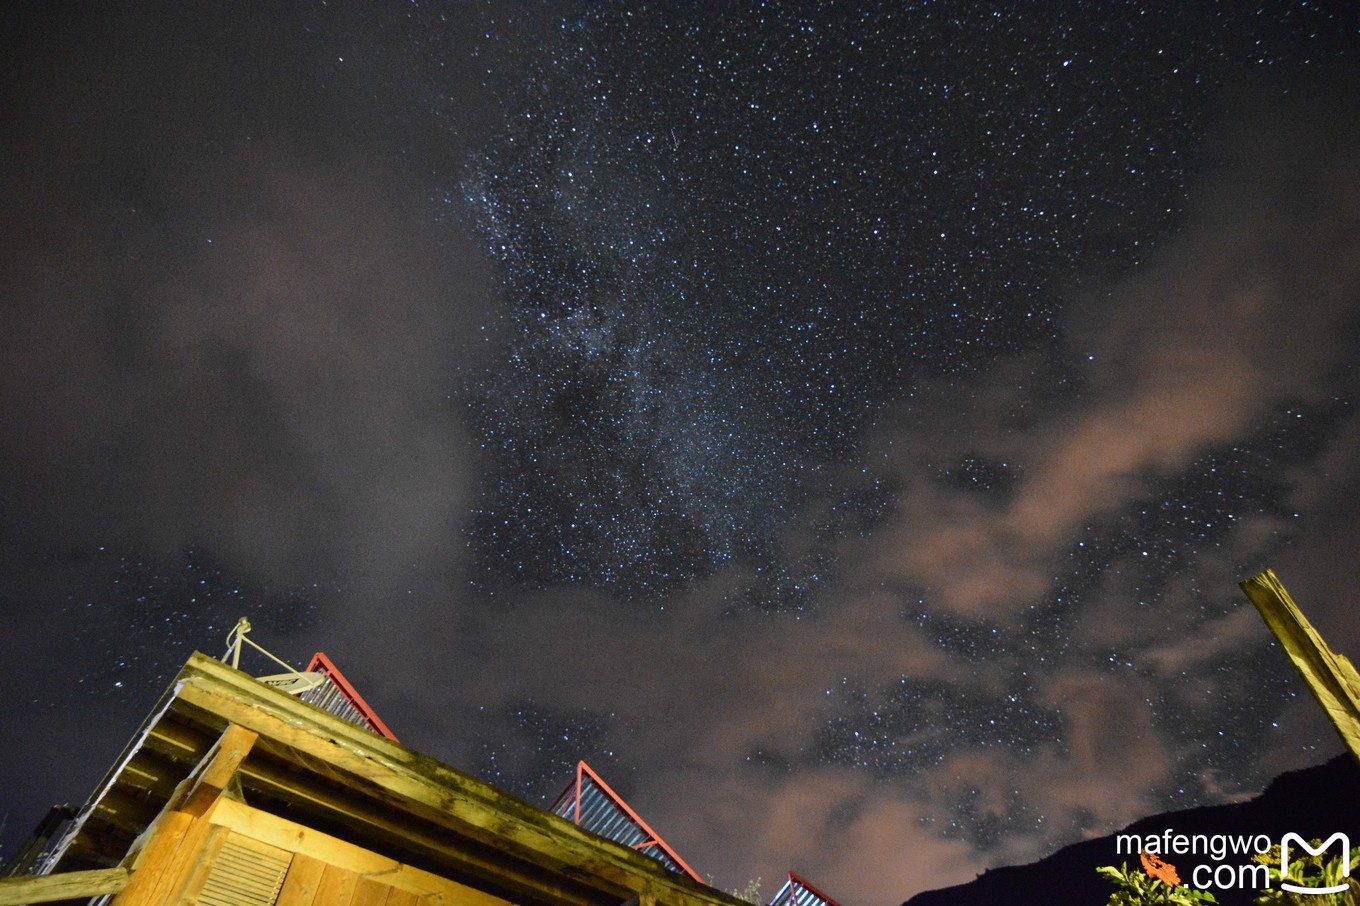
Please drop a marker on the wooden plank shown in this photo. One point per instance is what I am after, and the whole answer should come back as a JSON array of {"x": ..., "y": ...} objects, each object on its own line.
[
  {"x": 444, "y": 808},
  {"x": 1330, "y": 676},
  {"x": 121, "y": 808},
  {"x": 217, "y": 769},
  {"x": 403, "y": 834},
  {"x": 405, "y": 801},
  {"x": 312, "y": 844},
  {"x": 71, "y": 841},
  {"x": 153, "y": 774},
  {"x": 397, "y": 897},
  {"x": 69, "y": 885},
  {"x": 401, "y": 780},
  {"x": 162, "y": 865},
  {"x": 370, "y": 892},
  {"x": 99, "y": 845},
  {"x": 300, "y": 886},
  {"x": 178, "y": 743},
  {"x": 202, "y": 864},
  {"x": 336, "y": 887}
]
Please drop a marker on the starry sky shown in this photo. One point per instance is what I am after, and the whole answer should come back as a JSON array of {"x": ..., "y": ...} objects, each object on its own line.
[{"x": 844, "y": 425}]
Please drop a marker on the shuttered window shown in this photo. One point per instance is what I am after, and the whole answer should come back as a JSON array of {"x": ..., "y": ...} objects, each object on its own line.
[{"x": 245, "y": 873}]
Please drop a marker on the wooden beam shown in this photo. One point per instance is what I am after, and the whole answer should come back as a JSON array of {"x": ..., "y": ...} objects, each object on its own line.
[
  {"x": 302, "y": 881},
  {"x": 217, "y": 769},
  {"x": 179, "y": 743},
  {"x": 390, "y": 796},
  {"x": 366, "y": 864},
  {"x": 71, "y": 885},
  {"x": 400, "y": 780},
  {"x": 161, "y": 858},
  {"x": 124, "y": 809},
  {"x": 403, "y": 788},
  {"x": 153, "y": 775},
  {"x": 1330, "y": 676},
  {"x": 100, "y": 845},
  {"x": 404, "y": 833},
  {"x": 337, "y": 885},
  {"x": 309, "y": 786},
  {"x": 201, "y": 865},
  {"x": 57, "y": 860},
  {"x": 168, "y": 753}
]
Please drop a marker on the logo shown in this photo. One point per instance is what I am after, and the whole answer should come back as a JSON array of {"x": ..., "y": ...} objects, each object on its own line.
[
  {"x": 1311, "y": 867},
  {"x": 1345, "y": 862}
]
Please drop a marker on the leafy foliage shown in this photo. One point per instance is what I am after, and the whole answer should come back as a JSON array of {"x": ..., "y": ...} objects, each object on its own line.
[
  {"x": 750, "y": 893},
  {"x": 1310, "y": 871},
  {"x": 1137, "y": 888}
]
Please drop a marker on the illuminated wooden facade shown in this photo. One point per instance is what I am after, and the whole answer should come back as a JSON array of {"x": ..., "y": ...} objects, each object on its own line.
[{"x": 236, "y": 793}]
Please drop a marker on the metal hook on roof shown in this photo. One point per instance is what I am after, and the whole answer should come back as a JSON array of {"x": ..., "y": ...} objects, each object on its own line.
[{"x": 292, "y": 682}]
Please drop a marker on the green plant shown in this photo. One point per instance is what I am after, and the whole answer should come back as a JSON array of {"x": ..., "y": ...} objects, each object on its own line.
[
  {"x": 1140, "y": 888},
  {"x": 1310, "y": 871},
  {"x": 751, "y": 893}
]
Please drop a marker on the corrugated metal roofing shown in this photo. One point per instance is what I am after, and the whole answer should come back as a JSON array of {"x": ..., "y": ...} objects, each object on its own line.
[
  {"x": 589, "y": 803},
  {"x": 336, "y": 696},
  {"x": 330, "y": 699},
  {"x": 798, "y": 892}
]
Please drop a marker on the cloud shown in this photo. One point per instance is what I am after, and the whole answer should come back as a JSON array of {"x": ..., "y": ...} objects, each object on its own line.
[
  {"x": 1236, "y": 316},
  {"x": 287, "y": 395},
  {"x": 1118, "y": 666},
  {"x": 1231, "y": 336},
  {"x": 276, "y": 381},
  {"x": 1114, "y": 757}
]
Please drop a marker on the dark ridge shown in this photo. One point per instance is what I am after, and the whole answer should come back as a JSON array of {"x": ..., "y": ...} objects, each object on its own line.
[{"x": 1313, "y": 802}]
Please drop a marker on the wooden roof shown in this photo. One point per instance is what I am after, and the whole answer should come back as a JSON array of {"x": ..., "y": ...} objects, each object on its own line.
[{"x": 317, "y": 770}]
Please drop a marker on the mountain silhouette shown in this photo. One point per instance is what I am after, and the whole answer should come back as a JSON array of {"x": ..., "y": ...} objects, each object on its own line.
[{"x": 1313, "y": 802}]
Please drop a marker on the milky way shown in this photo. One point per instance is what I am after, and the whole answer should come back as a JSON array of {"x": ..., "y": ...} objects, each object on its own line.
[
  {"x": 728, "y": 238},
  {"x": 842, "y": 424},
  {"x": 730, "y": 242}
]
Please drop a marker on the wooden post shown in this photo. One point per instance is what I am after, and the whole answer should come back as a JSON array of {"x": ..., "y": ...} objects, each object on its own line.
[
  {"x": 217, "y": 769},
  {"x": 163, "y": 860},
  {"x": 170, "y": 854},
  {"x": 70, "y": 885},
  {"x": 1330, "y": 676}
]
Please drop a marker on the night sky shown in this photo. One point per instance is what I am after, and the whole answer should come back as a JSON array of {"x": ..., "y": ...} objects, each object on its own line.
[{"x": 843, "y": 426}]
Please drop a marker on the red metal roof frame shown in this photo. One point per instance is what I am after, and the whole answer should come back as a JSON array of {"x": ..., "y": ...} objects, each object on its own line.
[
  {"x": 653, "y": 838},
  {"x": 799, "y": 881},
  {"x": 323, "y": 665}
]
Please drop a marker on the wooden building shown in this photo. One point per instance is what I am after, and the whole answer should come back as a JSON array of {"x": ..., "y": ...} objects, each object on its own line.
[{"x": 234, "y": 793}]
